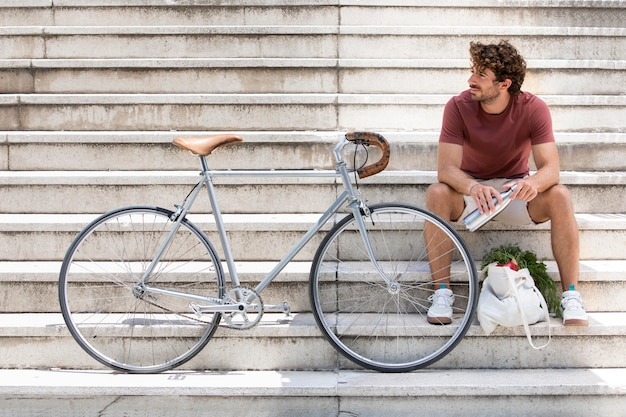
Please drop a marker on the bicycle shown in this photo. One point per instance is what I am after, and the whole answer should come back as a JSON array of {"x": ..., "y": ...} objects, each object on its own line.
[{"x": 142, "y": 289}]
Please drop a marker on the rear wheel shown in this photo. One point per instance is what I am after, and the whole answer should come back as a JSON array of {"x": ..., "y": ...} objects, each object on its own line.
[{"x": 122, "y": 323}]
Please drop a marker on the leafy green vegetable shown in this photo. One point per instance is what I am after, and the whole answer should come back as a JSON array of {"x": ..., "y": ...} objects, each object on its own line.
[{"x": 537, "y": 269}]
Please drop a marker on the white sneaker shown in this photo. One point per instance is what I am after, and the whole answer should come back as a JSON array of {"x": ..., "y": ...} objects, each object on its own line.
[
  {"x": 573, "y": 310},
  {"x": 440, "y": 312}
]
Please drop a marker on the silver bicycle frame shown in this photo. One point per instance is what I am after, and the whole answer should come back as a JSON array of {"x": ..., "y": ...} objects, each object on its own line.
[{"x": 348, "y": 196}]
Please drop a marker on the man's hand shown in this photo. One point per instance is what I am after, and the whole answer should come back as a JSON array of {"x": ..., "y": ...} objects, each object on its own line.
[
  {"x": 525, "y": 190},
  {"x": 483, "y": 196}
]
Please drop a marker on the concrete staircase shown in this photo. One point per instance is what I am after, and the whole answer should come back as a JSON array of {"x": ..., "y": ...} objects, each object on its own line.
[{"x": 94, "y": 91}]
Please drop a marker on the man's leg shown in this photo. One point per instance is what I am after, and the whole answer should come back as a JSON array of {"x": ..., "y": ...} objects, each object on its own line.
[
  {"x": 448, "y": 204},
  {"x": 555, "y": 204}
]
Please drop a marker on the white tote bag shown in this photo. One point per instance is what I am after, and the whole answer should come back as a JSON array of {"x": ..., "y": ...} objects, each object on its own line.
[{"x": 510, "y": 298}]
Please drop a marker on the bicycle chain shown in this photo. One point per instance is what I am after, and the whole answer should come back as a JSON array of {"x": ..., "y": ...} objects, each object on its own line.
[
  {"x": 197, "y": 319},
  {"x": 167, "y": 310}
]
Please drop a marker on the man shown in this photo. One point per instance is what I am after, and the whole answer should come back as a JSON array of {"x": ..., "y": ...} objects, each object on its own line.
[{"x": 486, "y": 138}]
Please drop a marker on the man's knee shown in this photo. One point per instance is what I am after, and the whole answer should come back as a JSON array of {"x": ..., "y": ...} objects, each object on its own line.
[
  {"x": 556, "y": 200},
  {"x": 558, "y": 196},
  {"x": 562, "y": 192},
  {"x": 441, "y": 199},
  {"x": 436, "y": 193}
]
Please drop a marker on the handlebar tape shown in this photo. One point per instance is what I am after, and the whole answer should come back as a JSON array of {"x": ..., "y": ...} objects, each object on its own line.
[{"x": 371, "y": 139}]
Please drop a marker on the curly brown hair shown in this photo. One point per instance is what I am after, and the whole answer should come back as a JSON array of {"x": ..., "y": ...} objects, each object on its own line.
[{"x": 503, "y": 59}]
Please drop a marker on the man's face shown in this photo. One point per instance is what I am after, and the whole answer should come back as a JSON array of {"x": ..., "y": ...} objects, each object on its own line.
[{"x": 483, "y": 86}]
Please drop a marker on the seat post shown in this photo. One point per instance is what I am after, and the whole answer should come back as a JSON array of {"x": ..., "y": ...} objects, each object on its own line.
[{"x": 205, "y": 166}]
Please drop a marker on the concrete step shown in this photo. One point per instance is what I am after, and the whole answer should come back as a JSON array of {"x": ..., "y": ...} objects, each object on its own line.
[
  {"x": 158, "y": 13},
  {"x": 283, "y": 112},
  {"x": 31, "y": 340},
  {"x": 401, "y": 13},
  {"x": 537, "y": 392},
  {"x": 150, "y": 150},
  {"x": 170, "y": 41},
  {"x": 293, "y": 75},
  {"x": 312, "y": 41},
  {"x": 477, "y": 13},
  {"x": 382, "y": 42},
  {"x": 31, "y": 286},
  {"x": 77, "y": 192},
  {"x": 46, "y": 237}
]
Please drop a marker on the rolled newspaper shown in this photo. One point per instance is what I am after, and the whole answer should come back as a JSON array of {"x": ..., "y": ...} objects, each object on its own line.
[{"x": 475, "y": 220}]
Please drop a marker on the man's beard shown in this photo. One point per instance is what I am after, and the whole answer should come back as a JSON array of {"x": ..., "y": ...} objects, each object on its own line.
[{"x": 482, "y": 97}]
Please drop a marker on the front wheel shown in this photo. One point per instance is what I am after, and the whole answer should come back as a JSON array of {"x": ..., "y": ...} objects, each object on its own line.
[
  {"x": 384, "y": 327},
  {"x": 117, "y": 318}
]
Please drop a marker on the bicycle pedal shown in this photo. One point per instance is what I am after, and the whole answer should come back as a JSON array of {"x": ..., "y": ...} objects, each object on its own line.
[{"x": 284, "y": 308}]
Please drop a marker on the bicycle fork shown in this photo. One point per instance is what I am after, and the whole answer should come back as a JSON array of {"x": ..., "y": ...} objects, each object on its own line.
[{"x": 361, "y": 211}]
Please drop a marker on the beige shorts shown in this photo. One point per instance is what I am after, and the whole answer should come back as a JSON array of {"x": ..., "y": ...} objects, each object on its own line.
[{"x": 516, "y": 213}]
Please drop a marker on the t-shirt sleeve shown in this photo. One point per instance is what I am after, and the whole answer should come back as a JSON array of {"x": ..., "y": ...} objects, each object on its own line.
[
  {"x": 452, "y": 128},
  {"x": 540, "y": 123}
]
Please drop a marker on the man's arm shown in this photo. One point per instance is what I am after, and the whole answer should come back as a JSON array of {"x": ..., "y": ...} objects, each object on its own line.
[
  {"x": 449, "y": 158},
  {"x": 548, "y": 173}
]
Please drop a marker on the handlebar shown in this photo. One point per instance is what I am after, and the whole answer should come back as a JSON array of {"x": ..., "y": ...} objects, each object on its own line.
[{"x": 371, "y": 139}]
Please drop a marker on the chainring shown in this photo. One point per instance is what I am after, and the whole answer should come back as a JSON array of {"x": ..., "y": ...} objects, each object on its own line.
[{"x": 252, "y": 310}]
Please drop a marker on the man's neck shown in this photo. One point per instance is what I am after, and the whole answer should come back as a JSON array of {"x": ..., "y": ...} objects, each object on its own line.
[{"x": 498, "y": 105}]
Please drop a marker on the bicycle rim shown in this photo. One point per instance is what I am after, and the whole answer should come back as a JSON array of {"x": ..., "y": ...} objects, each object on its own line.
[
  {"x": 111, "y": 317},
  {"x": 367, "y": 322}
]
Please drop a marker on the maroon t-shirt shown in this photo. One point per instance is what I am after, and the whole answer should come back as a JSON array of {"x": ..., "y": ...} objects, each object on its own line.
[{"x": 496, "y": 146}]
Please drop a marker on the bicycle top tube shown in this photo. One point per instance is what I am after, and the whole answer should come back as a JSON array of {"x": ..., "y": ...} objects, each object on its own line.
[{"x": 205, "y": 145}]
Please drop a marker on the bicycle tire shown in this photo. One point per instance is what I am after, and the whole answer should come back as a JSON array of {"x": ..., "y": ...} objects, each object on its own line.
[
  {"x": 116, "y": 322},
  {"x": 361, "y": 317}
]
